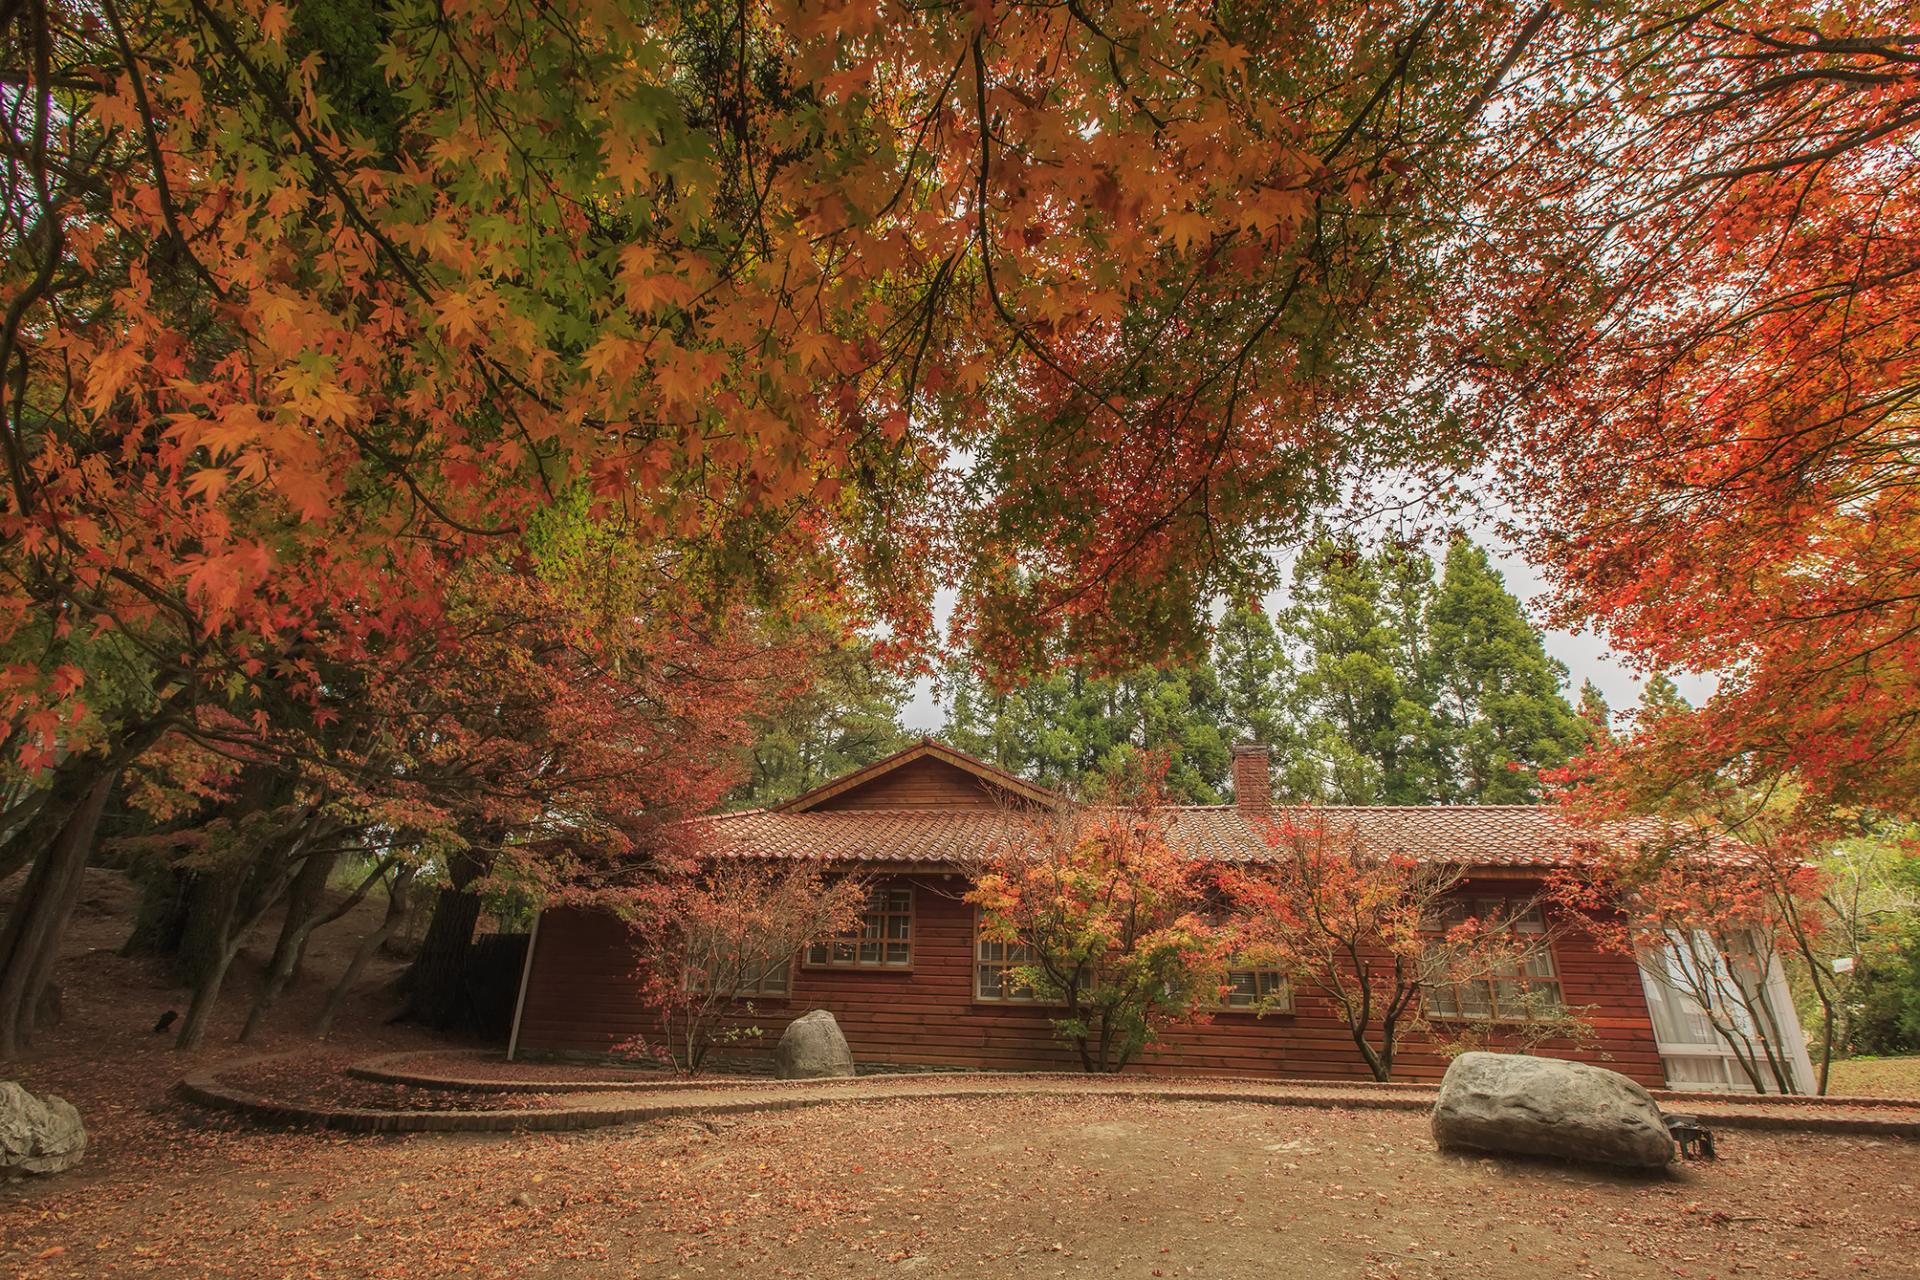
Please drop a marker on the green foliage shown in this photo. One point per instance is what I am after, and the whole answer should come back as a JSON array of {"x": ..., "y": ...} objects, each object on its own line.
[
  {"x": 348, "y": 39},
  {"x": 1414, "y": 691},
  {"x": 1378, "y": 685},
  {"x": 1258, "y": 679},
  {"x": 1502, "y": 716},
  {"x": 1365, "y": 695},
  {"x": 1069, "y": 728},
  {"x": 1596, "y": 716},
  {"x": 847, "y": 717},
  {"x": 1884, "y": 1009},
  {"x": 1660, "y": 696}
]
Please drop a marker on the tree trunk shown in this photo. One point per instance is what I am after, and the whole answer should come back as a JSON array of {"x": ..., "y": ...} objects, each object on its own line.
[
  {"x": 206, "y": 995},
  {"x": 160, "y": 921},
  {"x": 1826, "y": 1045},
  {"x": 258, "y": 886},
  {"x": 1742, "y": 1051},
  {"x": 305, "y": 903},
  {"x": 1382, "y": 1070},
  {"x": 399, "y": 907},
  {"x": 212, "y": 896},
  {"x": 437, "y": 983},
  {"x": 17, "y": 850},
  {"x": 30, "y": 943}
]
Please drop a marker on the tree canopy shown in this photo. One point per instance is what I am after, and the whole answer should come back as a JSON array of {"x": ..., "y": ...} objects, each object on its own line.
[
  {"x": 329, "y": 334},
  {"x": 1377, "y": 685}
]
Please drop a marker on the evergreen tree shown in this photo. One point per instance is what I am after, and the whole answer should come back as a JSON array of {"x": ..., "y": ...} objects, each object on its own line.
[
  {"x": 1379, "y": 685},
  {"x": 1595, "y": 713},
  {"x": 1039, "y": 728},
  {"x": 1255, "y": 675},
  {"x": 1257, "y": 679},
  {"x": 1066, "y": 728},
  {"x": 848, "y": 717},
  {"x": 1363, "y": 700},
  {"x": 1500, "y": 714},
  {"x": 1658, "y": 697}
]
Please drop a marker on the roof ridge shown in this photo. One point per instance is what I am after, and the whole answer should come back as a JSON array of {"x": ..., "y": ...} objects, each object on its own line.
[
  {"x": 1375, "y": 808},
  {"x": 957, "y": 809},
  {"x": 1228, "y": 807},
  {"x": 1436, "y": 807}
]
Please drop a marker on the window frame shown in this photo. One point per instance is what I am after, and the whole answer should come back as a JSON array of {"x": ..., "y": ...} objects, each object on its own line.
[
  {"x": 1282, "y": 1006},
  {"x": 1478, "y": 906},
  {"x": 755, "y": 990},
  {"x": 857, "y": 940},
  {"x": 1003, "y": 963}
]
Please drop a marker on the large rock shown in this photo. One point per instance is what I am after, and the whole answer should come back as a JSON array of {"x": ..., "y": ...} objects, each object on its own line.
[
  {"x": 38, "y": 1135},
  {"x": 1544, "y": 1107},
  {"x": 812, "y": 1048}
]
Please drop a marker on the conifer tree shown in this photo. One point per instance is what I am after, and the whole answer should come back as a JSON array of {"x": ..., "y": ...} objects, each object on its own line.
[
  {"x": 1660, "y": 696},
  {"x": 1364, "y": 702},
  {"x": 1257, "y": 680},
  {"x": 1595, "y": 713},
  {"x": 1377, "y": 685},
  {"x": 847, "y": 717},
  {"x": 1500, "y": 713},
  {"x": 1066, "y": 728}
]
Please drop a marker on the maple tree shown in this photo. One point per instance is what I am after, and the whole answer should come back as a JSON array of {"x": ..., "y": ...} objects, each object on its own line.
[
  {"x": 1108, "y": 920},
  {"x": 552, "y": 731},
  {"x": 1730, "y": 881},
  {"x": 551, "y": 753},
  {"x": 1710, "y": 930},
  {"x": 1693, "y": 347},
  {"x": 310, "y": 308},
  {"x": 1372, "y": 931},
  {"x": 714, "y": 935}
]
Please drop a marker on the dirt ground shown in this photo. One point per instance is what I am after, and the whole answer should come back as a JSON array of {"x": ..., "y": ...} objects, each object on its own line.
[
  {"x": 988, "y": 1187},
  {"x": 103, "y": 1055}
]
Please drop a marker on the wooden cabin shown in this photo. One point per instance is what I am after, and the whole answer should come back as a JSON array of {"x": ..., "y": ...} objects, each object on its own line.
[{"x": 922, "y": 988}]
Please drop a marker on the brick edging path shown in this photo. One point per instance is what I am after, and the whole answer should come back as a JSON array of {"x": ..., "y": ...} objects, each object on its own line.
[{"x": 603, "y": 1103}]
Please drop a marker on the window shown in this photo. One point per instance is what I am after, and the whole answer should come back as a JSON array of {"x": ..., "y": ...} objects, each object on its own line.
[
  {"x": 1517, "y": 988},
  {"x": 1261, "y": 990},
  {"x": 885, "y": 939},
  {"x": 772, "y": 978},
  {"x": 993, "y": 965},
  {"x": 714, "y": 961}
]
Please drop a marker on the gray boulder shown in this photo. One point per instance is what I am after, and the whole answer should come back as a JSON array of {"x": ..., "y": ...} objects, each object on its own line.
[
  {"x": 1510, "y": 1103},
  {"x": 812, "y": 1048},
  {"x": 38, "y": 1135}
]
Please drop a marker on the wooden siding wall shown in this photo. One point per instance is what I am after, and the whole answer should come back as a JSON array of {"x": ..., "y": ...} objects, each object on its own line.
[
  {"x": 582, "y": 997},
  {"x": 919, "y": 784}
]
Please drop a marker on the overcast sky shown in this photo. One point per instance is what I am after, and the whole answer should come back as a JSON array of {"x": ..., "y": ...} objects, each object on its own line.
[{"x": 1587, "y": 656}]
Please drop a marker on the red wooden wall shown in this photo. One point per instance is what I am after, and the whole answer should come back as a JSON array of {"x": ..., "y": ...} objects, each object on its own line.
[
  {"x": 581, "y": 997},
  {"x": 922, "y": 783}
]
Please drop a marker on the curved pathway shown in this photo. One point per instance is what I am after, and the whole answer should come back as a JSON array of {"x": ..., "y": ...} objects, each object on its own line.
[{"x": 584, "y": 1102}]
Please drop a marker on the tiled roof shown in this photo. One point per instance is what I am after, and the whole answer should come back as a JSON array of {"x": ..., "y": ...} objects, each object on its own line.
[
  {"x": 859, "y": 835},
  {"x": 1464, "y": 835},
  {"x": 1479, "y": 835}
]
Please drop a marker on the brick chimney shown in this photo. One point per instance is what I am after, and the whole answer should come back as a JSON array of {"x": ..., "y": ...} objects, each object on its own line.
[{"x": 1252, "y": 777}]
